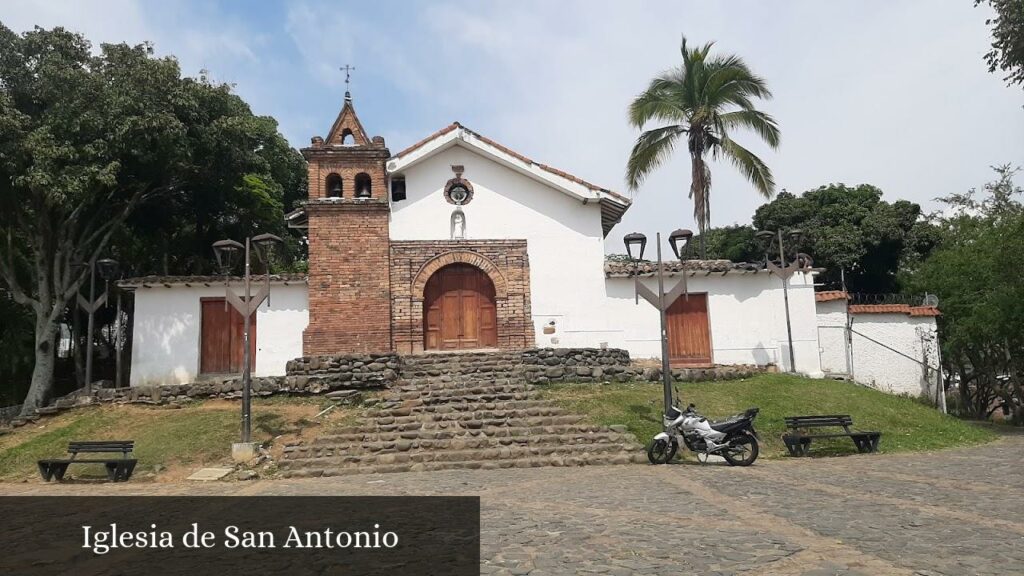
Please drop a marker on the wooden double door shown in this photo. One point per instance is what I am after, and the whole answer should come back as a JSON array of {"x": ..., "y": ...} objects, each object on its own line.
[
  {"x": 458, "y": 309},
  {"x": 689, "y": 333},
  {"x": 221, "y": 341}
]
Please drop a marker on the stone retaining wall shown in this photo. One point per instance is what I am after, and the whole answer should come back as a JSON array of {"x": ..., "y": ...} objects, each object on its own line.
[
  {"x": 351, "y": 373},
  {"x": 541, "y": 365},
  {"x": 8, "y": 413},
  {"x": 316, "y": 374}
]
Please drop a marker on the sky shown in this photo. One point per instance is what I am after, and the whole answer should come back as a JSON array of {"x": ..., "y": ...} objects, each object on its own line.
[{"x": 893, "y": 93}]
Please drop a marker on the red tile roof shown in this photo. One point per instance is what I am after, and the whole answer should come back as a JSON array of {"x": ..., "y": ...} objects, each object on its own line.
[
  {"x": 894, "y": 309},
  {"x": 516, "y": 155},
  {"x": 829, "y": 295}
]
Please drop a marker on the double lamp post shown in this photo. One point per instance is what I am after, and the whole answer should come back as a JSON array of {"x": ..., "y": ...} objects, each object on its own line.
[
  {"x": 679, "y": 240},
  {"x": 246, "y": 305}
]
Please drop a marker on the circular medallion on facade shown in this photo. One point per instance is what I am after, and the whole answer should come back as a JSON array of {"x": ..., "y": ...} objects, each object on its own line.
[{"x": 458, "y": 191}]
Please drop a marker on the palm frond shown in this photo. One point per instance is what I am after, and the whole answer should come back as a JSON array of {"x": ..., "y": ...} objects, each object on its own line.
[
  {"x": 761, "y": 123},
  {"x": 661, "y": 101},
  {"x": 752, "y": 167},
  {"x": 651, "y": 150}
]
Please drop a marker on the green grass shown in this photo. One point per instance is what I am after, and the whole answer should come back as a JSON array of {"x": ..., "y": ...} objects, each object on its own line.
[
  {"x": 199, "y": 433},
  {"x": 905, "y": 423}
]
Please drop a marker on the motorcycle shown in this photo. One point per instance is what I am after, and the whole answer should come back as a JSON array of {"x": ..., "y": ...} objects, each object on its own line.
[{"x": 733, "y": 438}]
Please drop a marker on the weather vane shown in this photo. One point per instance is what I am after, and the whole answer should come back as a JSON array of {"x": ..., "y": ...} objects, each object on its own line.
[{"x": 348, "y": 77}]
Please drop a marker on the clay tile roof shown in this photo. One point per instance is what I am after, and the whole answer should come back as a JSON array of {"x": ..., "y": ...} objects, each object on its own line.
[
  {"x": 438, "y": 134},
  {"x": 145, "y": 281},
  {"x": 830, "y": 295},
  {"x": 516, "y": 155},
  {"x": 894, "y": 309},
  {"x": 616, "y": 269}
]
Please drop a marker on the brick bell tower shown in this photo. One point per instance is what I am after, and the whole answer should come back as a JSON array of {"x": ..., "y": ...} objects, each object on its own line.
[{"x": 347, "y": 216}]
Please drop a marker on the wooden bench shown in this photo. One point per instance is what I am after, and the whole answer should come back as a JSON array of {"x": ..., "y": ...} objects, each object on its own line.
[
  {"x": 118, "y": 469},
  {"x": 798, "y": 440}
]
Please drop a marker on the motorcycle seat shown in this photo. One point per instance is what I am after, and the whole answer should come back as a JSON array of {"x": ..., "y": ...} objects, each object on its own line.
[{"x": 730, "y": 424}]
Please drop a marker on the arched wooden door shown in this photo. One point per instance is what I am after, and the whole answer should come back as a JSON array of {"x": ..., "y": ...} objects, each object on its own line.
[{"x": 458, "y": 309}]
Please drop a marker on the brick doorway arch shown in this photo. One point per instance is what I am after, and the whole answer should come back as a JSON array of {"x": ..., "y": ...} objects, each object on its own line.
[
  {"x": 506, "y": 265},
  {"x": 460, "y": 257},
  {"x": 459, "y": 311}
]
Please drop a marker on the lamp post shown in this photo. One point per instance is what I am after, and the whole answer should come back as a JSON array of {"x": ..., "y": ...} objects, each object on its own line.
[
  {"x": 108, "y": 270},
  {"x": 246, "y": 305},
  {"x": 679, "y": 240},
  {"x": 784, "y": 270}
]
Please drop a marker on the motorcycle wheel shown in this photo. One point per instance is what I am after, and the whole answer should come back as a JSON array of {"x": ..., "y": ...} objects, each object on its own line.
[
  {"x": 661, "y": 451},
  {"x": 746, "y": 451}
]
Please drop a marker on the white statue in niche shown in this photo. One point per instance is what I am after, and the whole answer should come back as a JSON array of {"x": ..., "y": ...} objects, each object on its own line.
[{"x": 458, "y": 226}]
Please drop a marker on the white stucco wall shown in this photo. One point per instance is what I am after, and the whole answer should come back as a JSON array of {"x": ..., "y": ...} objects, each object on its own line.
[
  {"x": 886, "y": 370},
  {"x": 168, "y": 322},
  {"x": 832, "y": 337},
  {"x": 564, "y": 236},
  {"x": 746, "y": 313}
]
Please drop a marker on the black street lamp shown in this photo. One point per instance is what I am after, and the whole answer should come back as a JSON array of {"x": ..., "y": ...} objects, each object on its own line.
[
  {"x": 636, "y": 242},
  {"x": 784, "y": 269},
  {"x": 225, "y": 251},
  {"x": 108, "y": 269}
]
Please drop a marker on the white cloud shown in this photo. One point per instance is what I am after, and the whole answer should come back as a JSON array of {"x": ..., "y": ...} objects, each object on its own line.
[{"x": 894, "y": 94}]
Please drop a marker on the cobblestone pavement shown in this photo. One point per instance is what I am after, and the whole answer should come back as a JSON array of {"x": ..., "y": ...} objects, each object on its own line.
[{"x": 954, "y": 512}]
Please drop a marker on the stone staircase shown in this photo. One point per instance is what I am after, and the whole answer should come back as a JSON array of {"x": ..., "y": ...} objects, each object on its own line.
[{"x": 461, "y": 411}]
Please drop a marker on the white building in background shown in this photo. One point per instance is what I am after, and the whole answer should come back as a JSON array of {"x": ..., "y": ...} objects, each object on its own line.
[
  {"x": 460, "y": 243},
  {"x": 892, "y": 347}
]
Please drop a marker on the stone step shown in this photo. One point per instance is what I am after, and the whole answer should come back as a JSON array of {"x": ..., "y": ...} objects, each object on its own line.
[
  {"x": 483, "y": 355},
  {"x": 474, "y": 395},
  {"x": 475, "y": 423},
  {"x": 447, "y": 376},
  {"x": 467, "y": 415},
  {"x": 411, "y": 407},
  {"x": 462, "y": 387},
  {"x": 537, "y": 462},
  {"x": 354, "y": 434},
  {"x": 319, "y": 449},
  {"x": 466, "y": 455}
]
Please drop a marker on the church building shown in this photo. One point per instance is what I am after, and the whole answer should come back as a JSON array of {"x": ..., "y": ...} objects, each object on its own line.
[{"x": 459, "y": 243}]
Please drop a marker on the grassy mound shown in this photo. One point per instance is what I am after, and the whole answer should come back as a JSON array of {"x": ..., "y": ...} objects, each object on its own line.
[
  {"x": 170, "y": 443},
  {"x": 906, "y": 424}
]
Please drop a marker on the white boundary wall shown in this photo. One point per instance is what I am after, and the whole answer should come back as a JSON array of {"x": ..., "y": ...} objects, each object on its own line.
[
  {"x": 871, "y": 352},
  {"x": 886, "y": 370},
  {"x": 168, "y": 323},
  {"x": 832, "y": 337}
]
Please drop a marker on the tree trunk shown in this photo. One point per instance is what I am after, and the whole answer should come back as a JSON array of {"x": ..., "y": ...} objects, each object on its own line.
[
  {"x": 45, "y": 358},
  {"x": 700, "y": 192}
]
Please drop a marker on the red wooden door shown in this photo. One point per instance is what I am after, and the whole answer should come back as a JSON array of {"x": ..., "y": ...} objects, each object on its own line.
[
  {"x": 220, "y": 347},
  {"x": 458, "y": 309},
  {"x": 689, "y": 334}
]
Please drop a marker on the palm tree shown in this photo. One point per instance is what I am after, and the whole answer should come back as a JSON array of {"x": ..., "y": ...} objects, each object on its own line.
[{"x": 705, "y": 98}]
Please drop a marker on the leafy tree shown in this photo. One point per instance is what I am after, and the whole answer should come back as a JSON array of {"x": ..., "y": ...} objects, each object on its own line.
[
  {"x": 1007, "y": 53},
  {"x": 851, "y": 229},
  {"x": 16, "y": 343},
  {"x": 977, "y": 271},
  {"x": 248, "y": 176},
  {"x": 87, "y": 140},
  {"x": 705, "y": 99},
  {"x": 736, "y": 243}
]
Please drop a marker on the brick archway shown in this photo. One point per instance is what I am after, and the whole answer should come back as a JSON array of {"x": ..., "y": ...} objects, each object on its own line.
[{"x": 459, "y": 257}]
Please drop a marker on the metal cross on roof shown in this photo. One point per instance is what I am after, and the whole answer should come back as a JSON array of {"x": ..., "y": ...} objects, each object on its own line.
[{"x": 348, "y": 75}]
